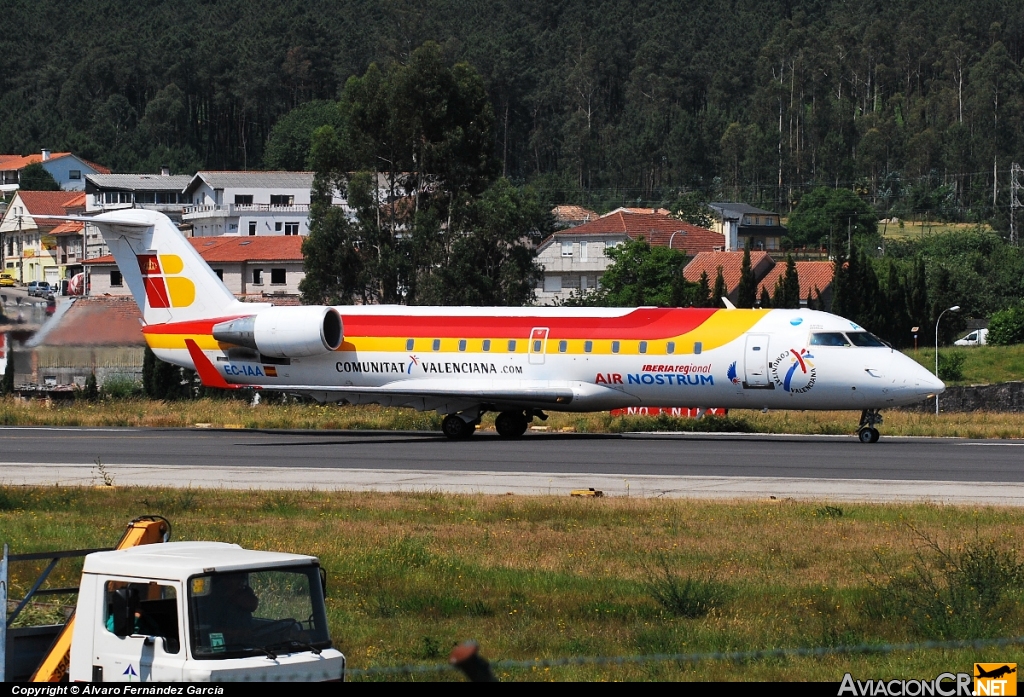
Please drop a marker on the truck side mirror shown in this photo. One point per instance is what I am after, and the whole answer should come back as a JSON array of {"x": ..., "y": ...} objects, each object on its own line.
[{"x": 323, "y": 580}]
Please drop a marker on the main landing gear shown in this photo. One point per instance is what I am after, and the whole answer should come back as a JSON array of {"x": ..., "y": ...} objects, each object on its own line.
[
  {"x": 511, "y": 424},
  {"x": 459, "y": 426},
  {"x": 508, "y": 424},
  {"x": 867, "y": 432}
]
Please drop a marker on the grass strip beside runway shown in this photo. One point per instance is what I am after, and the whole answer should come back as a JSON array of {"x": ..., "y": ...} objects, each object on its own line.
[
  {"x": 220, "y": 413},
  {"x": 553, "y": 577}
]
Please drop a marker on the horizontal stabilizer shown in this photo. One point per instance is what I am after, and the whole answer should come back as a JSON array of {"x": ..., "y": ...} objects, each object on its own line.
[{"x": 107, "y": 219}]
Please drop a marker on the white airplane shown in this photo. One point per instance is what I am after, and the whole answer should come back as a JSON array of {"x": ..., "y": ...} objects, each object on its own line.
[{"x": 518, "y": 362}]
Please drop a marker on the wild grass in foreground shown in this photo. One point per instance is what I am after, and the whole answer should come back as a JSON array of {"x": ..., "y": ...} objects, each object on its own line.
[
  {"x": 223, "y": 413},
  {"x": 548, "y": 577}
]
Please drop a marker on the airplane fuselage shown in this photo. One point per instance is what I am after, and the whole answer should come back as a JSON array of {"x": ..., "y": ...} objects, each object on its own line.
[{"x": 596, "y": 358}]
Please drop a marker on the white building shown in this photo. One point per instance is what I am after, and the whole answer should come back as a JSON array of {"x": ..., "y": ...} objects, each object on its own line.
[
  {"x": 162, "y": 192},
  {"x": 249, "y": 203},
  {"x": 67, "y": 169}
]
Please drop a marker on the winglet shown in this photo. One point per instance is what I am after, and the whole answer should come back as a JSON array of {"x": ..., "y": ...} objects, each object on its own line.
[{"x": 207, "y": 372}]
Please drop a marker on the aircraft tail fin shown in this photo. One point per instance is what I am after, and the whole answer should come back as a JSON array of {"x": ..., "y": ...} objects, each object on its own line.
[{"x": 166, "y": 275}]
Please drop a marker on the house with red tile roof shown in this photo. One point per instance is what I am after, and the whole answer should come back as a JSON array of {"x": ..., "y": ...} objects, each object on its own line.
[
  {"x": 40, "y": 249},
  {"x": 101, "y": 335},
  {"x": 571, "y": 216},
  {"x": 815, "y": 279},
  {"x": 731, "y": 264},
  {"x": 258, "y": 268},
  {"x": 68, "y": 169},
  {"x": 575, "y": 259}
]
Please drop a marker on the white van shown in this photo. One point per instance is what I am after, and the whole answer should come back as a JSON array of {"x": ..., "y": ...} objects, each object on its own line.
[{"x": 979, "y": 337}]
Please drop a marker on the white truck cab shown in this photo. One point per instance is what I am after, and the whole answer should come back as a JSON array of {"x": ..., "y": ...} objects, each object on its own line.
[{"x": 202, "y": 611}]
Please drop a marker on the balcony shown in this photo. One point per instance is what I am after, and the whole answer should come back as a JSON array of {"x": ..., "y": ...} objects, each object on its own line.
[{"x": 232, "y": 210}]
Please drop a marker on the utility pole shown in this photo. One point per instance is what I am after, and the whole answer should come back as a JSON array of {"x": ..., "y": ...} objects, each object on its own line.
[{"x": 1015, "y": 186}]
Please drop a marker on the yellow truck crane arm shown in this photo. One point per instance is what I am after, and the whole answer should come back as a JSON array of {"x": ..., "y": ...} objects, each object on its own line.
[{"x": 145, "y": 530}]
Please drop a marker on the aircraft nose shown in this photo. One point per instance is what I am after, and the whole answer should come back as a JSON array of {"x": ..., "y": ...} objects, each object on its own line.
[{"x": 917, "y": 377}]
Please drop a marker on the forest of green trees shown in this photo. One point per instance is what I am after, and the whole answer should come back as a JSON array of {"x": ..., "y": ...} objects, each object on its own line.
[{"x": 916, "y": 105}]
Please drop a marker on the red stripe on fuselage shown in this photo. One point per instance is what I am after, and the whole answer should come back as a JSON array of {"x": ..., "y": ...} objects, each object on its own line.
[
  {"x": 643, "y": 324},
  {"x": 653, "y": 323}
]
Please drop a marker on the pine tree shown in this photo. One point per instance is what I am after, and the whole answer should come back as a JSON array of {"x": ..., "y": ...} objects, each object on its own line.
[
  {"x": 703, "y": 298},
  {"x": 719, "y": 292},
  {"x": 791, "y": 282},
  {"x": 765, "y": 302},
  {"x": 917, "y": 300},
  {"x": 746, "y": 294},
  {"x": 92, "y": 391},
  {"x": 149, "y": 373}
]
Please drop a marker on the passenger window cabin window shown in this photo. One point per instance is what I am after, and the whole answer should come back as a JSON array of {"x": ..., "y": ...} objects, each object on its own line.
[
  {"x": 409, "y": 344},
  {"x": 698, "y": 347},
  {"x": 437, "y": 344},
  {"x": 563, "y": 346},
  {"x": 511, "y": 345},
  {"x": 643, "y": 347},
  {"x": 615, "y": 347},
  {"x": 462, "y": 344},
  {"x": 487, "y": 344},
  {"x": 670, "y": 347},
  {"x": 536, "y": 346},
  {"x": 588, "y": 346}
]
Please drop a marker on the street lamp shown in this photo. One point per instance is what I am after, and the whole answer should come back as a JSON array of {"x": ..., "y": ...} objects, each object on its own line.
[{"x": 955, "y": 308}]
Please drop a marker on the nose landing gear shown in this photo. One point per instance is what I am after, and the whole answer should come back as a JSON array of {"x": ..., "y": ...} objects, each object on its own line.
[{"x": 866, "y": 432}]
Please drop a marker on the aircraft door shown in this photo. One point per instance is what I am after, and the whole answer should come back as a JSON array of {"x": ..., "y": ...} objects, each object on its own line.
[
  {"x": 755, "y": 361},
  {"x": 538, "y": 344}
]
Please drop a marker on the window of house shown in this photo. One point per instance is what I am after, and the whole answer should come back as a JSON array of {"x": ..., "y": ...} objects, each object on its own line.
[
  {"x": 567, "y": 249},
  {"x": 125, "y": 197},
  {"x": 277, "y": 227},
  {"x": 437, "y": 344},
  {"x": 278, "y": 277},
  {"x": 615, "y": 347},
  {"x": 583, "y": 283},
  {"x": 291, "y": 228},
  {"x": 75, "y": 174},
  {"x": 769, "y": 221},
  {"x": 257, "y": 277},
  {"x": 281, "y": 200},
  {"x": 243, "y": 199},
  {"x": 252, "y": 228},
  {"x": 588, "y": 346},
  {"x": 746, "y": 220},
  {"x": 116, "y": 280},
  {"x": 563, "y": 346},
  {"x": 583, "y": 251},
  {"x": 511, "y": 345},
  {"x": 462, "y": 344},
  {"x": 409, "y": 343},
  {"x": 110, "y": 197},
  {"x": 552, "y": 284},
  {"x": 487, "y": 344},
  {"x": 145, "y": 197},
  {"x": 220, "y": 273}
]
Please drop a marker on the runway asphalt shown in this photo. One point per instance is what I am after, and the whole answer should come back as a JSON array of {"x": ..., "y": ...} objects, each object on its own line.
[{"x": 713, "y": 465}]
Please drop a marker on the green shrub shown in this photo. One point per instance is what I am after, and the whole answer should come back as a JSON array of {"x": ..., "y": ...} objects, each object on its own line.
[
  {"x": 684, "y": 597},
  {"x": 951, "y": 365},
  {"x": 121, "y": 387},
  {"x": 1007, "y": 327}
]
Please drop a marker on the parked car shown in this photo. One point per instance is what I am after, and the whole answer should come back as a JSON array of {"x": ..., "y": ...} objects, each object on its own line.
[
  {"x": 39, "y": 288},
  {"x": 7, "y": 280},
  {"x": 979, "y": 337}
]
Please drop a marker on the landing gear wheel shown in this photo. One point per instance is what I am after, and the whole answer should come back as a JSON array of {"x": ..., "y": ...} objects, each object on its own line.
[
  {"x": 456, "y": 428},
  {"x": 868, "y": 435},
  {"x": 866, "y": 431},
  {"x": 510, "y": 424}
]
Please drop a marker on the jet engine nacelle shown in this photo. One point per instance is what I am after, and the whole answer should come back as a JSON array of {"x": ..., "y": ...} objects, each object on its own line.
[{"x": 285, "y": 332}]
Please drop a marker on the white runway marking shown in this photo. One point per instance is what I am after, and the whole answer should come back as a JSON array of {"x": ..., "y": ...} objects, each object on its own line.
[{"x": 524, "y": 483}]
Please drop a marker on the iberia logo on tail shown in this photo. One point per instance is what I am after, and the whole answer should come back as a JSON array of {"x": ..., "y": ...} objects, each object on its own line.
[{"x": 164, "y": 286}]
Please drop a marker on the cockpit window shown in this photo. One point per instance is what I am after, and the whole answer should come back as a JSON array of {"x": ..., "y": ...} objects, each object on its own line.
[
  {"x": 829, "y": 339},
  {"x": 865, "y": 339}
]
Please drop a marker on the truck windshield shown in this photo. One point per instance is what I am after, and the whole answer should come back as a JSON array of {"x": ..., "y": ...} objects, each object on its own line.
[{"x": 257, "y": 612}]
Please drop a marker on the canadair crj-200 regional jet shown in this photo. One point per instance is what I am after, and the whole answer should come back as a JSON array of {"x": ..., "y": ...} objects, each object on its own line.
[{"x": 518, "y": 362}]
